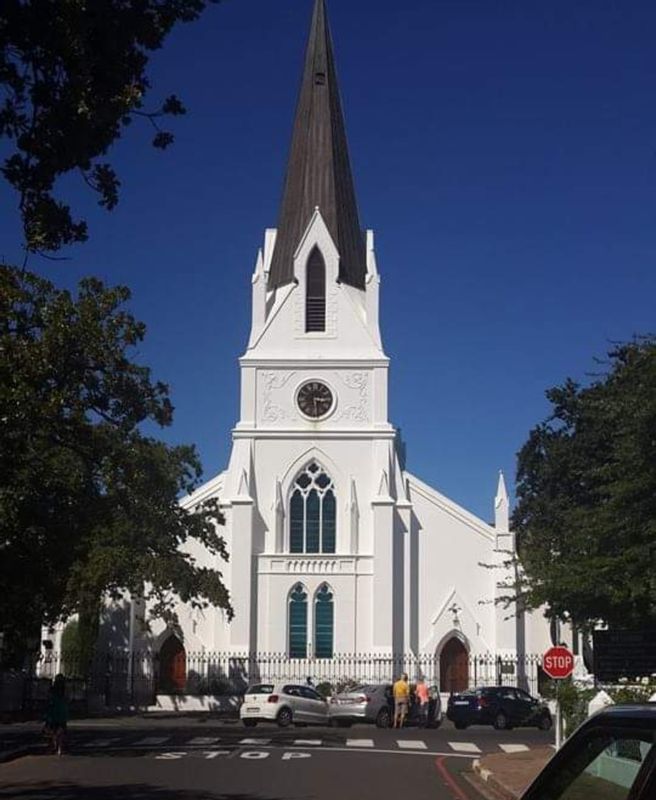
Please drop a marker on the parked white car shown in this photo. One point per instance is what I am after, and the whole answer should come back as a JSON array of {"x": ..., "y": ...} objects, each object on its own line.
[{"x": 283, "y": 703}]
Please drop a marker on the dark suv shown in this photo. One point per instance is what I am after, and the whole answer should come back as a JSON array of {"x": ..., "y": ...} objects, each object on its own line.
[{"x": 502, "y": 706}]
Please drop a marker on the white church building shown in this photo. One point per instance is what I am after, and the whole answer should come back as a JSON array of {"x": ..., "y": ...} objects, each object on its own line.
[{"x": 336, "y": 547}]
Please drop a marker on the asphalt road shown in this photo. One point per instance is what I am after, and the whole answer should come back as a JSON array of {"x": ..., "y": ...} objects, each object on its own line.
[{"x": 180, "y": 760}]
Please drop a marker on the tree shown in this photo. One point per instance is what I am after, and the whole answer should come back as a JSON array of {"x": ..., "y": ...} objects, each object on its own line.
[
  {"x": 586, "y": 511},
  {"x": 88, "y": 502},
  {"x": 74, "y": 75}
]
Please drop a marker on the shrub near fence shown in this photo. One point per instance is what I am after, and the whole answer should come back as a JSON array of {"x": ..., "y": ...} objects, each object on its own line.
[{"x": 122, "y": 680}]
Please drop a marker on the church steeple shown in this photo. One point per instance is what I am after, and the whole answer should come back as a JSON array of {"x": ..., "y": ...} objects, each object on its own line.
[{"x": 319, "y": 172}]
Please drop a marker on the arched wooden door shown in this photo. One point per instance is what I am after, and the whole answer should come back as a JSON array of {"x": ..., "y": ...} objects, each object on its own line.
[
  {"x": 454, "y": 666},
  {"x": 172, "y": 666}
]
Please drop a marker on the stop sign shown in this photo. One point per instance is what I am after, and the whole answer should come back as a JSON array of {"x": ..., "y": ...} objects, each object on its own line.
[{"x": 558, "y": 662}]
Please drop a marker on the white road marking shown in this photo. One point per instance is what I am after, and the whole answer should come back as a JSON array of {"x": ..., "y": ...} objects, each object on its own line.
[
  {"x": 359, "y": 742},
  {"x": 204, "y": 740},
  {"x": 170, "y": 756},
  {"x": 289, "y": 756},
  {"x": 100, "y": 742},
  {"x": 216, "y": 753},
  {"x": 255, "y": 754},
  {"x": 411, "y": 744},
  {"x": 255, "y": 741},
  {"x": 464, "y": 747},
  {"x": 307, "y": 742},
  {"x": 513, "y": 748},
  {"x": 153, "y": 740}
]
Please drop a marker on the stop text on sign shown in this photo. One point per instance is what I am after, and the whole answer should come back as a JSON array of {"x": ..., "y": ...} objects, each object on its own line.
[{"x": 558, "y": 662}]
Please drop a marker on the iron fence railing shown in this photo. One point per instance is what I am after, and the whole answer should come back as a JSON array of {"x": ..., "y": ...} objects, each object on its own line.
[{"x": 123, "y": 680}]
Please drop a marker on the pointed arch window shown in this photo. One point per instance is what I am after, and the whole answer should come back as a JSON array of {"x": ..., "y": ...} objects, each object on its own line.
[
  {"x": 312, "y": 512},
  {"x": 324, "y": 622},
  {"x": 315, "y": 292},
  {"x": 298, "y": 608}
]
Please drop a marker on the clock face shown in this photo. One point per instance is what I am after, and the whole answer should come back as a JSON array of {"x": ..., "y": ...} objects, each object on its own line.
[{"x": 315, "y": 399}]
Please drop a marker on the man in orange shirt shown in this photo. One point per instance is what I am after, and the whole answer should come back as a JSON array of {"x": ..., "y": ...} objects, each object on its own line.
[{"x": 401, "y": 692}]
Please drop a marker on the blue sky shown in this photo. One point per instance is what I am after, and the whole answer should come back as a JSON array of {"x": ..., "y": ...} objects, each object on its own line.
[{"x": 505, "y": 155}]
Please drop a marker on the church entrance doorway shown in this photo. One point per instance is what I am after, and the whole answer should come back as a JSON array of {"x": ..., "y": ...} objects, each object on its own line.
[
  {"x": 454, "y": 666},
  {"x": 172, "y": 666}
]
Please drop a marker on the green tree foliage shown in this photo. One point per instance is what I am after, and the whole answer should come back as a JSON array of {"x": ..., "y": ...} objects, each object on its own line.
[
  {"x": 74, "y": 75},
  {"x": 586, "y": 512},
  {"x": 89, "y": 502}
]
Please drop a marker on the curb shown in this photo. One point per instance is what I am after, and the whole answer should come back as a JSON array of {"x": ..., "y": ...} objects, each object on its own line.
[
  {"x": 487, "y": 776},
  {"x": 19, "y": 752}
]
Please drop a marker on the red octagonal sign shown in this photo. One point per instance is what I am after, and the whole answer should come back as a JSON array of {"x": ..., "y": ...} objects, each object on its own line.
[{"x": 558, "y": 662}]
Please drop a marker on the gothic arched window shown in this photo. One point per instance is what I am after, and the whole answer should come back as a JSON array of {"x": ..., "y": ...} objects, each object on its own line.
[
  {"x": 315, "y": 292},
  {"x": 323, "y": 622},
  {"x": 298, "y": 607},
  {"x": 312, "y": 512}
]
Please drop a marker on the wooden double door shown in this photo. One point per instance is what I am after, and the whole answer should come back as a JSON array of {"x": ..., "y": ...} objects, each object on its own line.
[
  {"x": 172, "y": 667},
  {"x": 454, "y": 667}
]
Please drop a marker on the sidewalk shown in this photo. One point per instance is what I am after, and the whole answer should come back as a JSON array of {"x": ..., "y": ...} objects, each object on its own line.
[{"x": 509, "y": 774}]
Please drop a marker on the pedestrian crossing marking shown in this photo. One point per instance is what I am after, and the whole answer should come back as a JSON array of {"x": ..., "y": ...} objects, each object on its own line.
[
  {"x": 100, "y": 742},
  {"x": 464, "y": 747},
  {"x": 359, "y": 742},
  {"x": 513, "y": 748},
  {"x": 204, "y": 740},
  {"x": 308, "y": 742},
  {"x": 411, "y": 744},
  {"x": 153, "y": 740},
  {"x": 255, "y": 741}
]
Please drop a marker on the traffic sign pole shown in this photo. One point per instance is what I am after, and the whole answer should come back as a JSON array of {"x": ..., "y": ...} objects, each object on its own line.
[{"x": 558, "y": 664}]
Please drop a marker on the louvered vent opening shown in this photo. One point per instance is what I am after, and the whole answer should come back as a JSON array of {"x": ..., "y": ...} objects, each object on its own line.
[{"x": 315, "y": 300}]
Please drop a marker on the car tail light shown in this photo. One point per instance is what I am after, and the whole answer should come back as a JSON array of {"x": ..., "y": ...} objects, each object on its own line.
[
  {"x": 483, "y": 702},
  {"x": 364, "y": 698},
  {"x": 272, "y": 698}
]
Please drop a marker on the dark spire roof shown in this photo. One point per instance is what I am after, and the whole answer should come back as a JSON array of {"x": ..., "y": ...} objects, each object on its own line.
[{"x": 319, "y": 172}]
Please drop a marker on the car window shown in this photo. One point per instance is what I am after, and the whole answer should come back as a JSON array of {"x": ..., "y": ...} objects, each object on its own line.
[
  {"x": 292, "y": 691},
  {"x": 310, "y": 694},
  {"x": 522, "y": 695},
  {"x": 507, "y": 694},
  {"x": 604, "y": 766},
  {"x": 260, "y": 688}
]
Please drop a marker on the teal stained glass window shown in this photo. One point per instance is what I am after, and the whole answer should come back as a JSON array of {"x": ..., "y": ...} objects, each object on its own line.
[
  {"x": 313, "y": 512},
  {"x": 323, "y": 622},
  {"x": 298, "y": 622},
  {"x": 312, "y": 522},
  {"x": 296, "y": 523},
  {"x": 329, "y": 509}
]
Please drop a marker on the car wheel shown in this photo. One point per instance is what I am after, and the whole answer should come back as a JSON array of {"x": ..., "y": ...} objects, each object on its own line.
[
  {"x": 545, "y": 723},
  {"x": 284, "y": 718},
  {"x": 460, "y": 726},
  {"x": 384, "y": 718},
  {"x": 249, "y": 723},
  {"x": 501, "y": 722}
]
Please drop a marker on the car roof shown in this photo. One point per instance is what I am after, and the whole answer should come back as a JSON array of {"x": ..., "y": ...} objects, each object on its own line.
[{"x": 635, "y": 712}]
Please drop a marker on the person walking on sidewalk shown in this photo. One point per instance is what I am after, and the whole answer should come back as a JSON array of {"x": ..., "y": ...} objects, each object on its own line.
[
  {"x": 401, "y": 692},
  {"x": 57, "y": 714}
]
